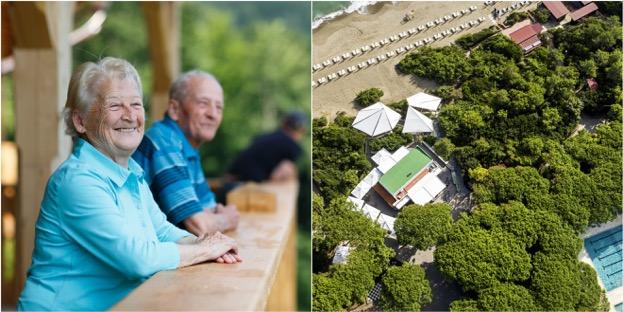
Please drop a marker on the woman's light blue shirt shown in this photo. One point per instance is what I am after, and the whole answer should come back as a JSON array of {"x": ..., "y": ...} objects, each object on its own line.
[{"x": 98, "y": 236}]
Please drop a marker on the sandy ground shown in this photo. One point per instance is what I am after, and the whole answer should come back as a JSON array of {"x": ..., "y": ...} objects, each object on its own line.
[{"x": 352, "y": 31}]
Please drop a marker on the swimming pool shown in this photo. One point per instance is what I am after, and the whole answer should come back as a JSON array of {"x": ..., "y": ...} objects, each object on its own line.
[{"x": 605, "y": 249}]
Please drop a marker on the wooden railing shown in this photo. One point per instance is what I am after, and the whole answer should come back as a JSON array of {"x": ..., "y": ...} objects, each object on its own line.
[{"x": 265, "y": 280}]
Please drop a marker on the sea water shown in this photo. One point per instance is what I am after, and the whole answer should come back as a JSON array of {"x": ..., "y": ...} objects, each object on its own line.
[{"x": 327, "y": 10}]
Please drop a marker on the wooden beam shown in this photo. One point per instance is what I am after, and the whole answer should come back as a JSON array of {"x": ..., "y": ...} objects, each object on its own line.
[
  {"x": 7, "y": 44},
  {"x": 41, "y": 76},
  {"x": 264, "y": 280},
  {"x": 163, "y": 28},
  {"x": 31, "y": 32}
]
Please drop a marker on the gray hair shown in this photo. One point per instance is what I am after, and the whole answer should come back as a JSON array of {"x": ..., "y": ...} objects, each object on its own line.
[
  {"x": 179, "y": 88},
  {"x": 85, "y": 86}
]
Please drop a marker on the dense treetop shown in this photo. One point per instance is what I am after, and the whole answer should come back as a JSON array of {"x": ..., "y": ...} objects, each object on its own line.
[
  {"x": 405, "y": 288},
  {"x": 423, "y": 226},
  {"x": 338, "y": 223},
  {"x": 514, "y": 258}
]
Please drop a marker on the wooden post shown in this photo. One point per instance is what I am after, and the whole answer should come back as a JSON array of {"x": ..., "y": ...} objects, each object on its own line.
[
  {"x": 282, "y": 295},
  {"x": 163, "y": 28},
  {"x": 42, "y": 70}
]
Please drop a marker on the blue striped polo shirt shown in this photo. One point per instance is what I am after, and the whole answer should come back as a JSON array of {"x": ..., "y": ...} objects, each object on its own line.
[{"x": 173, "y": 171}]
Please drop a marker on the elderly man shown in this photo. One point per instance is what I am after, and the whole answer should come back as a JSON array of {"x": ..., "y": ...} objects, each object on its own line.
[{"x": 169, "y": 156}]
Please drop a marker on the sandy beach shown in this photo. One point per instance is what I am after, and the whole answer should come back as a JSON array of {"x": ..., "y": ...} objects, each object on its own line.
[{"x": 352, "y": 31}]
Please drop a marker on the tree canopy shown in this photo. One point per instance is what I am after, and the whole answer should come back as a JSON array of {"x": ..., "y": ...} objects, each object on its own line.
[
  {"x": 513, "y": 109},
  {"x": 405, "y": 288},
  {"x": 335, "y": 223},
  {"x": 484, "y": 259},
  {"x": 499, "y": 185},
  {"x": 515, "y": 17},
  {"x": 470, "y": 40},
  {"x": 423, "y": 226},
  {"x": 339, "y": 160},
  {"x": 391, "y": 141},
  {"x": 564, "y": 284},
  {"x": 514, "y": 258},
  {"x": 446, "y": 65},
  {"x": 507, "y": 297}
]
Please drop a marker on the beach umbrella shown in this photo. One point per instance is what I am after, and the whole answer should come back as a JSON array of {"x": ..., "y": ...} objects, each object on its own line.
[
  {"x": 425, "y": 101},
  {"x": 376, "y": 119},
  {"x": 417, "y": 122}
]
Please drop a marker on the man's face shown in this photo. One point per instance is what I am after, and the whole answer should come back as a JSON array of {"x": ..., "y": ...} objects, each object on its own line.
[{"x": 200, "y": 114}]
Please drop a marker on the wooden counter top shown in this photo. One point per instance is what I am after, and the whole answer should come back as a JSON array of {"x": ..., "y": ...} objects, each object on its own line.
[{"x": 266, "y": 244}]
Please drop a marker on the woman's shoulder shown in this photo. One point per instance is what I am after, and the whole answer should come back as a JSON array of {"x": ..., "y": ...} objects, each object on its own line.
[
  {"x": 74, "y": 174},
  {"x": 75, "y": 185}
]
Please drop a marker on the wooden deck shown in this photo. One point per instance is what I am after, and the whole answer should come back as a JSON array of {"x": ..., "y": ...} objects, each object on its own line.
[{"x": 265, "y": 280}]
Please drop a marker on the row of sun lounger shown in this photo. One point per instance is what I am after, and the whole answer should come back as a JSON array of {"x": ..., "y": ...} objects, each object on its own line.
[
  {"x": 392, "y": 38},
  {"x": 400, "y": 50},
  {"x": 514, "y": 6}
]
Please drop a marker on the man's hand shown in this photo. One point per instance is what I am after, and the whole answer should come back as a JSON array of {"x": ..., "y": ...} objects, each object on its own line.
[
  {"x": 224, "y": 218},
  {"x": 228, "y": 213},
  {"x": 202, "y": 223}
]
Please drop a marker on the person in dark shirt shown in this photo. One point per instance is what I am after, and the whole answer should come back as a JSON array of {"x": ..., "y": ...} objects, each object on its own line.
[{"x": 271, "y": 156}]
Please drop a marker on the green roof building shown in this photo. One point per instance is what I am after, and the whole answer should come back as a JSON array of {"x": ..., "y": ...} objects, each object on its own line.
[{"x": 406, "y": 172}]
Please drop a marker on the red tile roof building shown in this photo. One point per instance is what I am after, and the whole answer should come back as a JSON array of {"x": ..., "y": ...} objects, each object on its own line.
[
  {"x": 527, "y": 37},
  {"x": 524, "y": 33},
  {"x": 530, "y": 44},
  {"x": 585, "y": 10},
  {"x": 592, "y": 84},
  {"x": 557, "y": 8}
]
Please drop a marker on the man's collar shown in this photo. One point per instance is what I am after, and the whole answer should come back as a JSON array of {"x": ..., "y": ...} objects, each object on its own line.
[{"x": 187, "y": 149}]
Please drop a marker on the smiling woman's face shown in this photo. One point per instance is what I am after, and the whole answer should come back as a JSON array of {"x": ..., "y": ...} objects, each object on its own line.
[{"x": 116, "y": 125}]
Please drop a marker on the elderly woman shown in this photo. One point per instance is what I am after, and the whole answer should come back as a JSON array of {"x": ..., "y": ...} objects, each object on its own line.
[{"x": 99, "y": 232}]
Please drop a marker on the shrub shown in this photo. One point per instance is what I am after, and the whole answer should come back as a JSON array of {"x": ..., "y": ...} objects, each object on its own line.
[{"x": 368, "y": 97}]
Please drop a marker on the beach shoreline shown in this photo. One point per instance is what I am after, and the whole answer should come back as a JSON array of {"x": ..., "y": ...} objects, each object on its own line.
[{"x": 356, "y": 7}]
